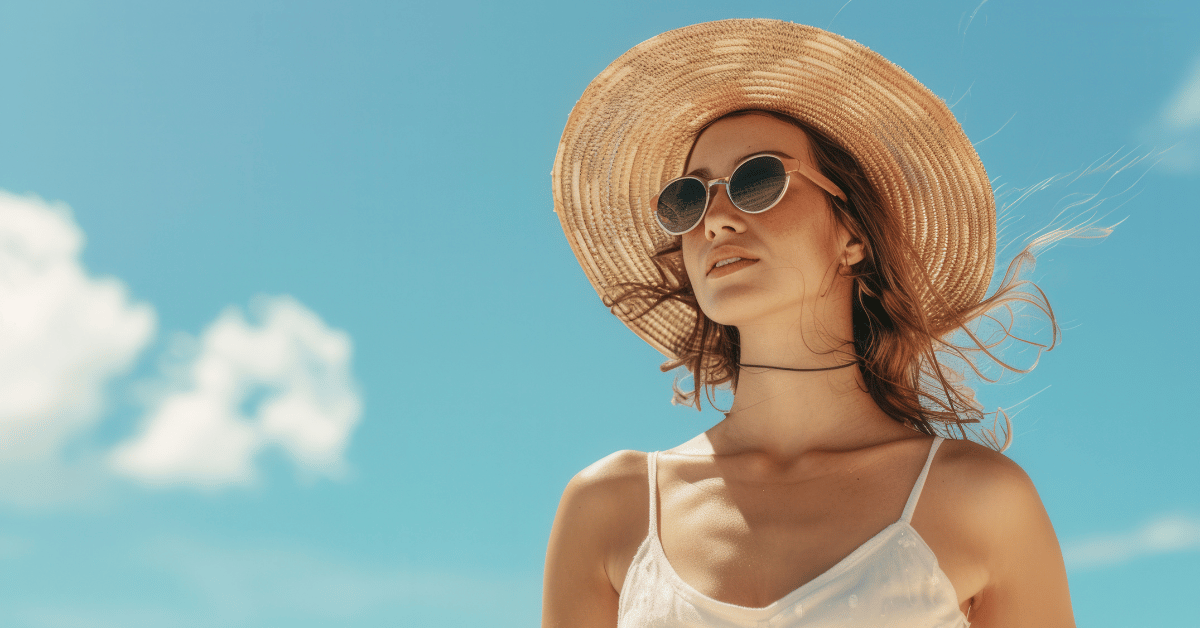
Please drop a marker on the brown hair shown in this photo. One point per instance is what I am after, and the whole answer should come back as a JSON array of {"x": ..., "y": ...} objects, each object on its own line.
[{"x": 913, "y": 371}]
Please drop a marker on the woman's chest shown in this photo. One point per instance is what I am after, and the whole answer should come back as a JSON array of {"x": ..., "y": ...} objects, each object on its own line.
[{"x": 753, "y": 545}]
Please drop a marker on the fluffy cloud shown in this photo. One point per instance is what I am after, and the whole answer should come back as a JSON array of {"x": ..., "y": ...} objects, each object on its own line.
[
  {"x": 66, "y": 337},
  {"x": 1172, "y": 533},
  {"x": 1178, "y": 125},
  {"x": 284, "y": 382},
  {"x": 63, "y": 336}
]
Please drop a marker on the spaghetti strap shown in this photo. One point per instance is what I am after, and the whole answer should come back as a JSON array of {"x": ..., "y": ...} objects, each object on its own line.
[
  {"x": 652, "y": 475},
  {"x": 911, "y": 506}
]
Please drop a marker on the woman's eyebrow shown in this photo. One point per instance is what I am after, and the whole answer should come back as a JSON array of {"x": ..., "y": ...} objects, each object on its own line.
[{"x": 705, "y": 173}]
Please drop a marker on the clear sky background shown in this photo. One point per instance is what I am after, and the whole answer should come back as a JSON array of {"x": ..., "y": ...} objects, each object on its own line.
[{"x": 290, "y": 336}]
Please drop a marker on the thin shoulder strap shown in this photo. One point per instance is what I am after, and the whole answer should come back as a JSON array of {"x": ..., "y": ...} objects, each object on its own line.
[
  {"x": 652, "y": 474},
  {"x": 911, "y": 506}
]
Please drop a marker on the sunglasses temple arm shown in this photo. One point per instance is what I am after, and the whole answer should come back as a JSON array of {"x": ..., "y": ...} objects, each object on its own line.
[{"x": 811, "y": 174}]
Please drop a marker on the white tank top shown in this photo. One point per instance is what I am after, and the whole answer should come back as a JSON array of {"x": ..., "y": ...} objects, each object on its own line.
[{"x": 893, "y": 580}]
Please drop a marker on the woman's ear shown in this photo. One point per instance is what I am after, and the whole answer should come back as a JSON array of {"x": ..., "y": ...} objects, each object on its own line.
[{"x": 852, "y": 247}]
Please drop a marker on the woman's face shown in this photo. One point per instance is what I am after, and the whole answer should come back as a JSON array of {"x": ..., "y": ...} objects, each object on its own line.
[{"x": 792, "y": 250}]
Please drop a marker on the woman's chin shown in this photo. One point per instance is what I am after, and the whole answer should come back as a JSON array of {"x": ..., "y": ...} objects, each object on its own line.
[{"x": 747, "y": 312}]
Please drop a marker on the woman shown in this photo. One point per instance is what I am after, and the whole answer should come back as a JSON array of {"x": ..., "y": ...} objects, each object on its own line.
[{"x": 787, "y": 213}]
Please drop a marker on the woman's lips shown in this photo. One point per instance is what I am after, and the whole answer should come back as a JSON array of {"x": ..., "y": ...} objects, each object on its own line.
[{"x": 729, "y": 269}]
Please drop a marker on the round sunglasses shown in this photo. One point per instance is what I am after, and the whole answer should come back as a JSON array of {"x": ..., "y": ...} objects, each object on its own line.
[{"x": 757, "y": 184}]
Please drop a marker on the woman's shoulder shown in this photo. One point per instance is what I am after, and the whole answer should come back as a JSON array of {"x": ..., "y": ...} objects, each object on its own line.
[
  {"x": 606, "y": 509},
  {"x": 1016, "y": 562},
  {"x": 987, "y": 491},
  {"x": 611, "y": 483},
  {"x": 980, "y": 470}
]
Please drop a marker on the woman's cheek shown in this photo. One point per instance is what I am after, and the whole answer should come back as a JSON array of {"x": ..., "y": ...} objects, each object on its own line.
[{"x": 691, "y": 262}]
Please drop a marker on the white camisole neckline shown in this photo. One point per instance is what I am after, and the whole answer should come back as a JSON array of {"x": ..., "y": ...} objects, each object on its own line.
[{"x": 893, "y": 579}]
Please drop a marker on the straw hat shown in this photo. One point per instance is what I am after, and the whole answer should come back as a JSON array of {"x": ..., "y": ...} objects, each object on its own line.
[{"x": 635, "y": 124}]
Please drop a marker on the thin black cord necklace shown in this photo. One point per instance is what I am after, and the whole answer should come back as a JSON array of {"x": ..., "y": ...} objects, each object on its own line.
[{"x": 784, "y": 368}]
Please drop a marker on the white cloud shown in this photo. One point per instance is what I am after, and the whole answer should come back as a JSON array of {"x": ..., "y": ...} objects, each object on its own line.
[
  {"x": 63, "y": 336},
  {"x": 1177, "y": 125},
  {"x": 1165, "y": 534},
  {"x": 283, "y": 382}
]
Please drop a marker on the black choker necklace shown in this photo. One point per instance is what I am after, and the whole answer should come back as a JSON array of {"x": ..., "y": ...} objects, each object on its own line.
[{"x": 784, "y": 368}]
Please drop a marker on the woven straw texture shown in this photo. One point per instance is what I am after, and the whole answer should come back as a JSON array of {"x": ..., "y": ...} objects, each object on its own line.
[{"x": 632, "y": 129}]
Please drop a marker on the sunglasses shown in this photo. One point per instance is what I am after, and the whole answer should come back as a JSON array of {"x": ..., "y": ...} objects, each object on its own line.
[{"x": 757, "y": 184}]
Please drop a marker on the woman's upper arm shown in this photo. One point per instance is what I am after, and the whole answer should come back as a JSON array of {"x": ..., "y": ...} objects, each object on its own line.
[
  {"x": 1027, "y": 583},
  {"x": 577, "y": 591}
]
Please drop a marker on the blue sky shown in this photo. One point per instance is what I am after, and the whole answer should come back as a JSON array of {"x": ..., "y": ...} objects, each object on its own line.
[{"x": 291, "y": 335}]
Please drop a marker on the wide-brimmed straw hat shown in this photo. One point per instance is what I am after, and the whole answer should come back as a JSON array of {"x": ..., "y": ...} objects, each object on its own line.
[{"x": 635, "y": 124}]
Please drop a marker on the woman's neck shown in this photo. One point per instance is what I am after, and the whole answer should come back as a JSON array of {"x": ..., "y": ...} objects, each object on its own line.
[{"x": 786, "y": 414}]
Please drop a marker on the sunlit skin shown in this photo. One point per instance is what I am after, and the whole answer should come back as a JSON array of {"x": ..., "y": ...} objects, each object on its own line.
[
  {"x": 792, "y": 307},
  {"x": 806, "y": 467}
]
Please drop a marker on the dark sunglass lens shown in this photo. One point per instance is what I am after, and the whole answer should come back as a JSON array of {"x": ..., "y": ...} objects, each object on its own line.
[
  {"x": 757, "y": 184},
  {"x": 681, "y": 204}
]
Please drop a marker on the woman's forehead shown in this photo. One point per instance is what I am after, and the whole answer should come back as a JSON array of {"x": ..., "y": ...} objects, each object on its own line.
[{"x": 731, "y": 139}]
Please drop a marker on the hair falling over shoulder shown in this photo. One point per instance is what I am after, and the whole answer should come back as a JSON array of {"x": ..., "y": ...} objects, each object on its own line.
[{"x": 914, "y": 368}]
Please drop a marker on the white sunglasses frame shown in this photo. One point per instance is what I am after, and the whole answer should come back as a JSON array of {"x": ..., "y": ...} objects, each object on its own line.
[{"x": 790, "y": 165}]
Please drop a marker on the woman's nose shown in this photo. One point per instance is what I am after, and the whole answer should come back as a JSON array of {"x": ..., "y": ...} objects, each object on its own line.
[{"x": 721, "y": 214}]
